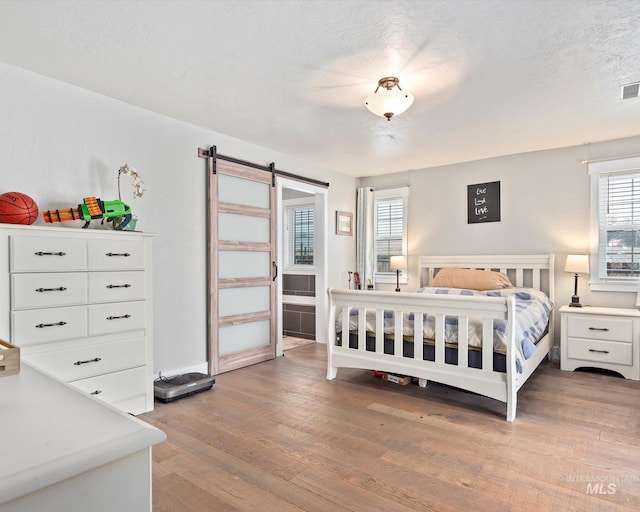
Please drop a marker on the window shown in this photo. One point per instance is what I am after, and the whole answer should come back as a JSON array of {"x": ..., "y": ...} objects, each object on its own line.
[
  {"x": 390, "y": 228},
  {"x": 299, "y": 235},
  {"x": 615, "y": 224}
]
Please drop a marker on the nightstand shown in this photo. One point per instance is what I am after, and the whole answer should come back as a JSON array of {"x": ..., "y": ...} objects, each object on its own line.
[{"x": 607, "y": 338}]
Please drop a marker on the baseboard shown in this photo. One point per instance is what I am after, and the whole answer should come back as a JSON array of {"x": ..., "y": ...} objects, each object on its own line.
[
  {"x": 198, "y": 368},
  {"x": 555, "y": 353}
]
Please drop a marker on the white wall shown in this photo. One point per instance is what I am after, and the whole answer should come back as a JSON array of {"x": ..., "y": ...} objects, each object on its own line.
[
  {"x": 544, "y": 209},
  {"x": 61, "y": 143}
]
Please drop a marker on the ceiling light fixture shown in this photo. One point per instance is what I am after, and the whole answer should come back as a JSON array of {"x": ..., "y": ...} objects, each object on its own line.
[{"x": 389, "y": 101}]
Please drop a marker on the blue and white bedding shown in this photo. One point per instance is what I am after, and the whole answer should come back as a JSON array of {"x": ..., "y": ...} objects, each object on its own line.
[{"x": 533, "y": 308}]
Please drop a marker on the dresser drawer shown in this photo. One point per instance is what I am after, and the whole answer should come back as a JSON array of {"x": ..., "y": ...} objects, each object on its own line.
[
  {"x": 43, "y": 325},
  {"x": 38, "y": 290},
  {"x": 600, "y": 327},
  {"x": 116, "y": 254},
  {"x": 114, "y": 387},
  {"x": 46, "y": 254},
  {"x": 116, "y": 317},
  {"x": 135, "y": 405},
  {"x": 600, "y": 351},
  {"x": 91, "y": 360},
  {"x": 116, "y": 286}
]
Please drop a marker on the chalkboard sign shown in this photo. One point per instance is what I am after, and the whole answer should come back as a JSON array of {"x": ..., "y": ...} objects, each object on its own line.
[{"x": 483, "y": 202}]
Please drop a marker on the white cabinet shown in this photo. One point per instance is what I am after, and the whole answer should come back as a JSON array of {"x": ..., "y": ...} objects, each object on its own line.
[
  {"x": 78, "y": 303},
  {"x": 63, "y": 452},
  {"x": 595, "y": 337}
]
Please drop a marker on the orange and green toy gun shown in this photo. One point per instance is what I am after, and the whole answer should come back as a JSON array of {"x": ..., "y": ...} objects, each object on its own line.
[{"x": 93, "y": 208}]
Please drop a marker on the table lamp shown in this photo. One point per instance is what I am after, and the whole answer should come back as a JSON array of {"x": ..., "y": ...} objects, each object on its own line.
[
  {"x": 577, "y": 264},
  {"x": 397, "y": 264}
]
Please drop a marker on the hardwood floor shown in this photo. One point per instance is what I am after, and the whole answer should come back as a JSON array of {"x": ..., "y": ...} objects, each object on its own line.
[
  {"x": 290, "y": 342},
  {"x": 278, "y": 436}
]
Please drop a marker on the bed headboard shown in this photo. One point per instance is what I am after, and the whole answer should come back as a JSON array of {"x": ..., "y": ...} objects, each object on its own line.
[{"x": 530, "y": 270}]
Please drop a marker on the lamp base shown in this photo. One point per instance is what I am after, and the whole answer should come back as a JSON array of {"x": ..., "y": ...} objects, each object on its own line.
[{"x": 575, "y": 302}]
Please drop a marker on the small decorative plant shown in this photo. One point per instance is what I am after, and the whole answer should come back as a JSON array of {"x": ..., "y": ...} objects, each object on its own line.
[
  {"x": 138, "y": 190},
  {"x": 138, "y": 185}
]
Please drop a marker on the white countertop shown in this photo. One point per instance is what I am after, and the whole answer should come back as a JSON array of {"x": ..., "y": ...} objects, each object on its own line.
[{"x": 50, "y": 432}]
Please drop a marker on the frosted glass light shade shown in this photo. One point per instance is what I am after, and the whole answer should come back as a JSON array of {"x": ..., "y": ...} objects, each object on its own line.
[
  {"x": 577, "y": 264},
  {"x": 389, "y": 100}
]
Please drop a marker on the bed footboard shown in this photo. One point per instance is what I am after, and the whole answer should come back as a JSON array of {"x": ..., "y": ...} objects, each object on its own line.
[{"x": 410, "y": 307}]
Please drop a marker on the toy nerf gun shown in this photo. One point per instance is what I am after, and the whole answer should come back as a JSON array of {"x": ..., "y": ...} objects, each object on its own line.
[{"x": 93, "y": 208}]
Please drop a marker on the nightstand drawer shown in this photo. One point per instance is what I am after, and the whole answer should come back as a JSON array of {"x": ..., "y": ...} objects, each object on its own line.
[
  {"x": 600, "y": 327},
  {"x": 600, "y": 351}
]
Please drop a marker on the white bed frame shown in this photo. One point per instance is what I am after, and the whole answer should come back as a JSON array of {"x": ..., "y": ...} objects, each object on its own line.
[{"x": 534, "y": 271}]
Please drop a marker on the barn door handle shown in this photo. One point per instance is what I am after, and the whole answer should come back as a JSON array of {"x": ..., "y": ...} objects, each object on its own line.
[{"x": 275, "y": 269}]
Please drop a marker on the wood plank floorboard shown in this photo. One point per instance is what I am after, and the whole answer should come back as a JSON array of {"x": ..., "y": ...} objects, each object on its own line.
[
  {"x": 291, "y": 342},
  {"x": 278, "y": 436}
]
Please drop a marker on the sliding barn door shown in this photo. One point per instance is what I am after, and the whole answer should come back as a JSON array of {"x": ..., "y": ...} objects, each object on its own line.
[{"x": 242, "y": 268}]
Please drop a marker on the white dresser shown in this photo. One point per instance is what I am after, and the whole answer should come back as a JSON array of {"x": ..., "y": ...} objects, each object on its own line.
[
  {"x": 64, "y": 452},
  {"x": 597, "y": 337},
  {"x": 78, "y": 304}
]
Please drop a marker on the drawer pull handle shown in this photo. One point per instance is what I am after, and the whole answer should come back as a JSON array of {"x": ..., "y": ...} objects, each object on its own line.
[
  {"x": 61, "y": 289},
  {"x": 96, "y": 392},
  {"x": 598, "y": 329},
  {"x": 41, "y": 253},
  {"x": 599, "y": 351},
  {"x": 118, "y": 317},
  {"x": 40, "y": 326},
  {"x": 95, "y": 360},
  {"x": 119, "y": 286},
  {"x": 125, "y": 254}
]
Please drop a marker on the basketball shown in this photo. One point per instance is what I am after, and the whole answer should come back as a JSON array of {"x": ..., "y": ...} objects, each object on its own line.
[{"x": 17, "y": 208}]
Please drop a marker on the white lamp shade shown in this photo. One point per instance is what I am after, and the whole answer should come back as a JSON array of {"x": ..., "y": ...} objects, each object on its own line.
[
  {"x": 577, "y": 264},
  {"x": 396, "y": 263},
  {"x": 389, "y": 102}
]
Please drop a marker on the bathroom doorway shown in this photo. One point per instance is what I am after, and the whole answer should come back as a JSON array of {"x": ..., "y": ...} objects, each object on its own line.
[{"x": 302, "y": 259}]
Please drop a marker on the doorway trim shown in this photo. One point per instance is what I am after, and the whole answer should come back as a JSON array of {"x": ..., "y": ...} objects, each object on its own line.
[{"x": 321, "y": 236}]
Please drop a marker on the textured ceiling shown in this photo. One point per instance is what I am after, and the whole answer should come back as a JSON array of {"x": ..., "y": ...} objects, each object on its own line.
[{"x": 490, "y": 77}]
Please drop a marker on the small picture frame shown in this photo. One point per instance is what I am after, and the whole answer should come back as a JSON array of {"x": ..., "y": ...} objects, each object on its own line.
[{"x": 344, "y": 223}]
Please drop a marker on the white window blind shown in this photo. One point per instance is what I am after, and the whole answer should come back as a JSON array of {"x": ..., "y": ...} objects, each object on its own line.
[
  {"x": 615, "y": 224},
  {"x": 390, "y": 230},
  {"x": 619, "y": 231},
  {"x": 300, "y": 235}
]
